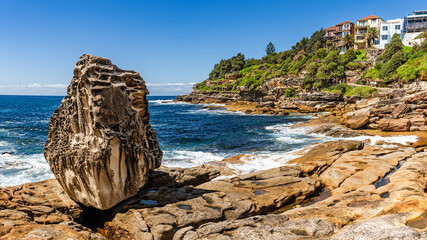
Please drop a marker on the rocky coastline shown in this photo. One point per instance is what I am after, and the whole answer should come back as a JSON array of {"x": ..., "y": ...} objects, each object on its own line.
[
  {"x": 337, "y": 190},
  {"x": 345, "y": 189},
  {"x": 392, "y": 110}
]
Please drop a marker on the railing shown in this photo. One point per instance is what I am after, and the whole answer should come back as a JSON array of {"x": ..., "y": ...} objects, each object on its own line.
[{"x": 362, "y": 25}]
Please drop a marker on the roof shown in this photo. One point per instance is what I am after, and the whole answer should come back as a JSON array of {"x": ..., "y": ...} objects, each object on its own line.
[
  {"x": 343, "y": 23},
  {"x": 395, "y": 20},
  {"x": 368, "y": 17},
  {"x": 331, "y": 28}
]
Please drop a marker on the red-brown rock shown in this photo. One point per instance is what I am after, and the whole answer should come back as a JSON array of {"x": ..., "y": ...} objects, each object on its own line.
[
  {"x": 418, "y": 121},
  {"x": 402, "y": 108},
  {"x": 394, "y": 125}
]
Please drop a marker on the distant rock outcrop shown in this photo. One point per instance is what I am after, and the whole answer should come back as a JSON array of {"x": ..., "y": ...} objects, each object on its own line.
[{"x": 100, "y": 144}]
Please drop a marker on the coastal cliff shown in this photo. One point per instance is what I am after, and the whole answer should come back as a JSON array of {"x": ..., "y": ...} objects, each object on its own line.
[{"x": 314, "y": 77}]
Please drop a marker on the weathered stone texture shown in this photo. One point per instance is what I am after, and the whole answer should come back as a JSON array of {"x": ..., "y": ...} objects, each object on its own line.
[{"x": 100, "y": 144}]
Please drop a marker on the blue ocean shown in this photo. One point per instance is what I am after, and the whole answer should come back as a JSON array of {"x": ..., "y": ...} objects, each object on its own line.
[{"x": 189, "y": 135}]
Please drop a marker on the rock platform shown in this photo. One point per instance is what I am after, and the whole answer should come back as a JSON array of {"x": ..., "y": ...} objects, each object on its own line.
[{"x": 337, "y": 190}]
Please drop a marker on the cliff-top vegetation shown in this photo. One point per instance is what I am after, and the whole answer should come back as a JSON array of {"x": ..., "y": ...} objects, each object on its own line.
[{"x": 319, "y": 63}]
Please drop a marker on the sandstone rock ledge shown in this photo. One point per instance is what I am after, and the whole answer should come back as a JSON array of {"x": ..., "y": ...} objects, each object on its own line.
[{"x": 337, "y": 190}]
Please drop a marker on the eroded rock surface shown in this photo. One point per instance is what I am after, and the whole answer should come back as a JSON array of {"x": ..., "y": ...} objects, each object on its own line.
[
  {"x": 337, "y": 190},
  {"x": 40, "y": 210},
  {"x": 100, "y": 144},
  {"x": 395, "y": 111}
]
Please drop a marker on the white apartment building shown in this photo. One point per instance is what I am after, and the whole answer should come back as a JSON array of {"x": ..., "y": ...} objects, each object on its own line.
[{"x": 388, "y": 29}]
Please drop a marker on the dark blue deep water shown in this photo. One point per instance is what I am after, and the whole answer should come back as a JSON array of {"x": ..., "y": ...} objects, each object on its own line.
[{"x": 188, "y": 135}]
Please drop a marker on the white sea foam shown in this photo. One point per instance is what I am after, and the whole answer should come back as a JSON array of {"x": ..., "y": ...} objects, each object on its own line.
[
  {"x": 188, "y": 158},
  {"x": 292, "y": 135},
  {"x": 213, "y": 104},
  {"x": 213, "y": 111},
  {"x": 253, "y": 163},
  {"x": 15, "y": 170},
  {"x": 11, "y": 133},
  {"x": 290, "y": 139},
  {"x": 168, "y": 102}
]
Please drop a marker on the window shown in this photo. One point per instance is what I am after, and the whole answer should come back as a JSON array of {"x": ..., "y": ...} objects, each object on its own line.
[
  {"x": 397, "y": 27},
  {"x": 373, "y": 20},
  {"x": 385, "y": 28},
  {"x": 384, "y": 37}
]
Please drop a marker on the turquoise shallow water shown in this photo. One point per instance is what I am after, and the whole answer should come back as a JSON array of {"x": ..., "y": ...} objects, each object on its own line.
[{"x": 188, "y": 134}]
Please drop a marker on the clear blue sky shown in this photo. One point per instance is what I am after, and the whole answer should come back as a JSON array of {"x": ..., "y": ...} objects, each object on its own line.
[{"x": 171, "y": 43}]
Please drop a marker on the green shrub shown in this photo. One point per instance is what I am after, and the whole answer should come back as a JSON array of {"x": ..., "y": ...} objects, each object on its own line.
[
  {"x": 290, "y": 92},
  {"x": 371, "y": 73},
  {"x": 350, "y": 55},
  {"x": 353, "y": 65},
  {"x": 392, "y": 48},
  {"x": 342, "y": 88},
  {"x": 318, "y": 85},
  {"x": 361, "y": 55},
  {"x": 225, "y": 66},
  {"x": 363, "y": 91},
  {"x": 390, "y": 66},
  {"x": 412, "y": 69}
]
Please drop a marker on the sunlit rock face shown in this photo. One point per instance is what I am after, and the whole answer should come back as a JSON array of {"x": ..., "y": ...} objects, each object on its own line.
[{"x": 100, "y": 144}]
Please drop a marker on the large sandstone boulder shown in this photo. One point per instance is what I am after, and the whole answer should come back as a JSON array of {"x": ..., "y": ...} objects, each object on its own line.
[
  {"x": 100, "y": 144},
  {"x": 358, "y": 119},
  {"x": 394, "y": 125},
  {"x": 402, "y": 108}
]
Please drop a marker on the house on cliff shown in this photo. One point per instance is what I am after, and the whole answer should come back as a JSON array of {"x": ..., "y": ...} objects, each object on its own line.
[
  {"x": 414, "y": 25},
  {"x": 362, "y": 27},
  {"x": 330, "y": 33},
  {"x": 388, "y": 29},
  {"x": 343, "y": 29},
  {"x": 336, "y": 34},
  {"x": 416, "y": 22}
]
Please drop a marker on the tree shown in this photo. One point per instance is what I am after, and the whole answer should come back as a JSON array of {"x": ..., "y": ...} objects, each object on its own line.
[
  {"x": 393, "y": 47},
  {"x": 270, "y": 49},
  {"x": 371, "y": 35},
  {"x": 390, "y": 66},
  {"x": 348, "y": 41},
  {"x": 225, "y": 66},
  {"x": 237, "y": 62},
  {"x": 331, "y": 68},
  {"x": 349, "y": 55}
]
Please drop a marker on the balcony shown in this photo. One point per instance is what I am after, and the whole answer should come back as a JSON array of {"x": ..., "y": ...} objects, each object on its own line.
[
  {"x": 359, "y": 38},
  {"x": 362, "y": 25}
]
